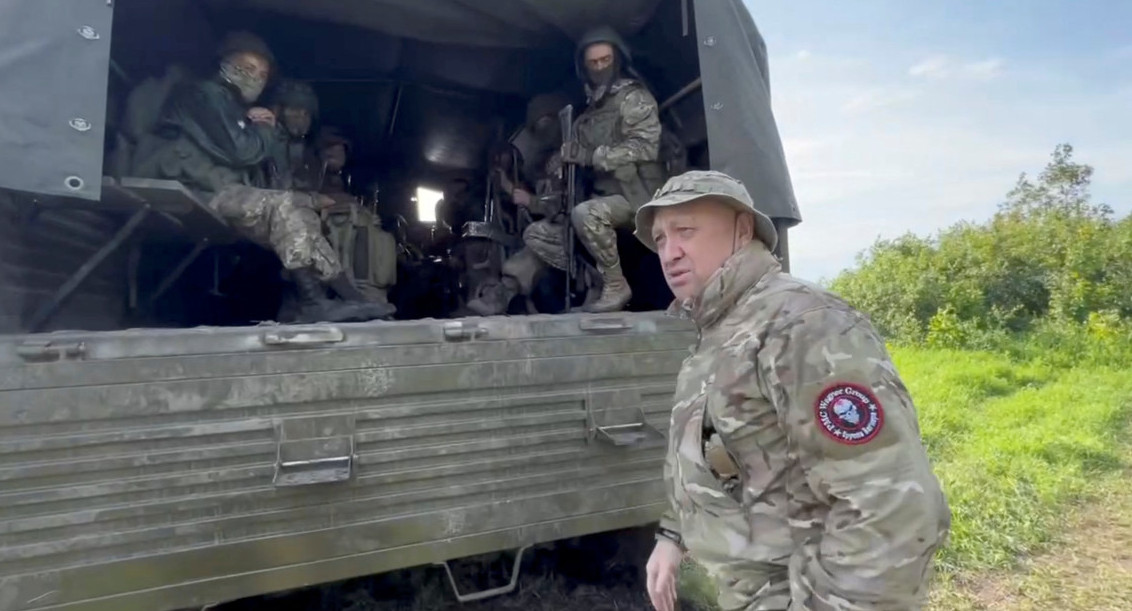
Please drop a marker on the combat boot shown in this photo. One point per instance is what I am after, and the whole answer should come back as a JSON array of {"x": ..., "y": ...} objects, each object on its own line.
[
  {"x": 615, "y": 291},
  {"x": 314, "y": 306},
  {"x": 349, "y": 293}
]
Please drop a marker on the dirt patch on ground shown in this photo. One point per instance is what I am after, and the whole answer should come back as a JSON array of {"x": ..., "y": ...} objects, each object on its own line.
[
  {"x": 1088, "y": 569},
  {"x": 597, "y": 573}
]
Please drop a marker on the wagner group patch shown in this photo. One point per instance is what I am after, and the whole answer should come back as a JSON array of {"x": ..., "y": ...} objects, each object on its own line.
[{"x": 848, "y": 413}]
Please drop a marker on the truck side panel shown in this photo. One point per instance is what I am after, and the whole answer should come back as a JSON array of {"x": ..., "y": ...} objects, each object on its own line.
[{"x": 166, "y": 469}]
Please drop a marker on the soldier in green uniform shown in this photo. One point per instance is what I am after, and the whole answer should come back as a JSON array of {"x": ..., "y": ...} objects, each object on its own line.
[
  {"x": 210, "y": 138},
  {"x": 618, "y": 138},
  {"x": 796, "y": 474}
]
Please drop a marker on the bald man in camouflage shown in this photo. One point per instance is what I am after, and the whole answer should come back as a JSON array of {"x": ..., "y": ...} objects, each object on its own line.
[{"x": 795, "y": 470}]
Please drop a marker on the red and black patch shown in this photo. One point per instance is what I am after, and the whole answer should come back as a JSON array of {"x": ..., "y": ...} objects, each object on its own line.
[{"x": 848, "y": 413}]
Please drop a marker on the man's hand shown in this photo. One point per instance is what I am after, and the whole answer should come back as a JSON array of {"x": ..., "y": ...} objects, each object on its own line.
[
  {"x": 521, "y": 198},
  {"x": 662, "y": 570},
  {"x": 262, "y": 116},
  {"x": 573, "y": 152}
]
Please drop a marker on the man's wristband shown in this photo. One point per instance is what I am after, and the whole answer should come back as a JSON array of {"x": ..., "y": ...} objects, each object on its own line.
[{"x": 671, "y": 535}]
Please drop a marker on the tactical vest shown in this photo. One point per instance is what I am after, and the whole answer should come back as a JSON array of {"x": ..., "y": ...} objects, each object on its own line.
[{"x": 601, "y": 124}]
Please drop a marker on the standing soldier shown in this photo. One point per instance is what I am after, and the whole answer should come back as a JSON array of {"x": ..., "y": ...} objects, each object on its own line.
[
  {"x": 618, "y": 137},
  {"x": 209, "y": 139},
  {"x": 795, "y": 470}
]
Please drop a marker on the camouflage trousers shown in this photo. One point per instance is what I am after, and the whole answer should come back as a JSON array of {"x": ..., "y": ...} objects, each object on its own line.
[
  {"x": 595, "y": 223},
  {"x": 284, "y": 221}
]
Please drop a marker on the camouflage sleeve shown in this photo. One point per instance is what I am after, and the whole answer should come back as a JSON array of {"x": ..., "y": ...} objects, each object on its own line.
[
  {"x": 853, "y": 427},
  {"x": 668, "y": 520},
  {"x": 640, "y": 124}
]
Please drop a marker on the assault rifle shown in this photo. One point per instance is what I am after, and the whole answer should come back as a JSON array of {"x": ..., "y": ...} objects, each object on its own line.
[{"x": 566, "y": 123}]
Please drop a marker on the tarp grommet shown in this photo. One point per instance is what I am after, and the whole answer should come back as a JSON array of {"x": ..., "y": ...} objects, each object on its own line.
[{"x": 74, "y": 183}]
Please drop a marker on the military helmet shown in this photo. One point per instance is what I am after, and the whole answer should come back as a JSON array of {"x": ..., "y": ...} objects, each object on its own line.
[
  {"x": 545, "y": 104},
  {"x": 698, "y": 184},
  {"x": 297, "y": 94},
  {"x": 244, "y": 42},
  {"x": 602, "y": 33}
]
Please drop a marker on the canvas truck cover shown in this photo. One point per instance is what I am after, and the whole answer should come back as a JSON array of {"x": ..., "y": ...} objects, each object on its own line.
[
  {"x": 55, "y": 53},
  {"x": 54, "y": 65}
]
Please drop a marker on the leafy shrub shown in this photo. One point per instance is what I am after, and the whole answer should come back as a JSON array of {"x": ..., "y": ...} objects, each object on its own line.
[{"x": 1049, "y": 256}]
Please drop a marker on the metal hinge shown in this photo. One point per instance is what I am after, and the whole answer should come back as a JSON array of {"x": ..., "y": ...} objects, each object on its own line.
[{"x": 601, "y": 406}]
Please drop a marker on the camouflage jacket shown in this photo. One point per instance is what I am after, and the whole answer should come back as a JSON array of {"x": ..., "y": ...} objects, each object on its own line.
[
  {"x": 622, "y": 131},
  {"x": 793, "y": 444}
]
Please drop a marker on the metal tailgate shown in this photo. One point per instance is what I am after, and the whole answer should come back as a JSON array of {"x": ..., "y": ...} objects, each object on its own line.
[{"x": 166, "y": 469}]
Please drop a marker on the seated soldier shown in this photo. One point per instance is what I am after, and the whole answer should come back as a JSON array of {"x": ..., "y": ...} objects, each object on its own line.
[
  {"x": 368, "y": 253},
  {"x": 536, "y": 188},
  {"x": 296, "y": 106},
  {"x": 618, "y": 143},
  {"x": 209, "y": 139}
]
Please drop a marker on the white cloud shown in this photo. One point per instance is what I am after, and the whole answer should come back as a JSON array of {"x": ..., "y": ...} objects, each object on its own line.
[
  {"x": 942, "y": 66},
  {"x": 803, "y": 55},
  {"x": 983, "y": 70},
  {"x": 936, "y": 66},
  {"x": 875, "y": 99}
]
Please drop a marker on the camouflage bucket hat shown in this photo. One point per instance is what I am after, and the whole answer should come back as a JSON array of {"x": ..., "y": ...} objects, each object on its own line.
[{"x": 698, "y": 184}]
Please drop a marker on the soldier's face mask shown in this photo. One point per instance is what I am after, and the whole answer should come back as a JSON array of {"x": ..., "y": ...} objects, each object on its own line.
[
  {"x": 601, "y": 63},
  {"x": 248, "y": 73},
  {"x": 693, "y": 241}
]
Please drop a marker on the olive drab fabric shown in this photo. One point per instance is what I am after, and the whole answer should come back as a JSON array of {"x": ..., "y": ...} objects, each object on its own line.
[{"x": 795, "y": 470}]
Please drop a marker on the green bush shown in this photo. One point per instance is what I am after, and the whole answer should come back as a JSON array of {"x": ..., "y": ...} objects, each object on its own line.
[{"x": 1047, "y": 257}]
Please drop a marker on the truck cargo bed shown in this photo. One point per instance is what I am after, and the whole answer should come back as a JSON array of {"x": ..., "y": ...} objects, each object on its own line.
[{"x": 164, "y": 469}]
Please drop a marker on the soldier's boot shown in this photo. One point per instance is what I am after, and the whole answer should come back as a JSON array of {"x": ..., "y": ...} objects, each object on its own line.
[
  {"x": 349, "y": 293},
  {"x": 314, "y": 306},
  {"x": 615, "y": 291}
]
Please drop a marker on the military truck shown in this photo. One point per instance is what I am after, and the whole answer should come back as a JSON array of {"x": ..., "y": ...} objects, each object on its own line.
[{"x": 164, "y": 445}]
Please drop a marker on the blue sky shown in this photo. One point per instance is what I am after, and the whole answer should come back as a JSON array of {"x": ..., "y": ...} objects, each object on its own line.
[{"x": 909, "y": 116}]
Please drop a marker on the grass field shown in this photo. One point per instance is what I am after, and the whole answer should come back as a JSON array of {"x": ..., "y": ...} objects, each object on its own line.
[{"x": 1033, "y": 454}]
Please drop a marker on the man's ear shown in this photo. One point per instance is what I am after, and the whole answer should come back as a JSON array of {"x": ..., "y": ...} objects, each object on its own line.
[{"x": 747, "y": 226}]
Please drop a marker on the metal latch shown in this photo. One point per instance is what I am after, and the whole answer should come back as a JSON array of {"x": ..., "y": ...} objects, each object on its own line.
[
  {"x": 461, "y": 330},
  {"x": 45, "y": 351},
  {"x": 302, "y": 336},
  {"x": 604, "y": 324},
  {"x": 636, "y": 433},
  {"x": 314, "y": 450}
]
